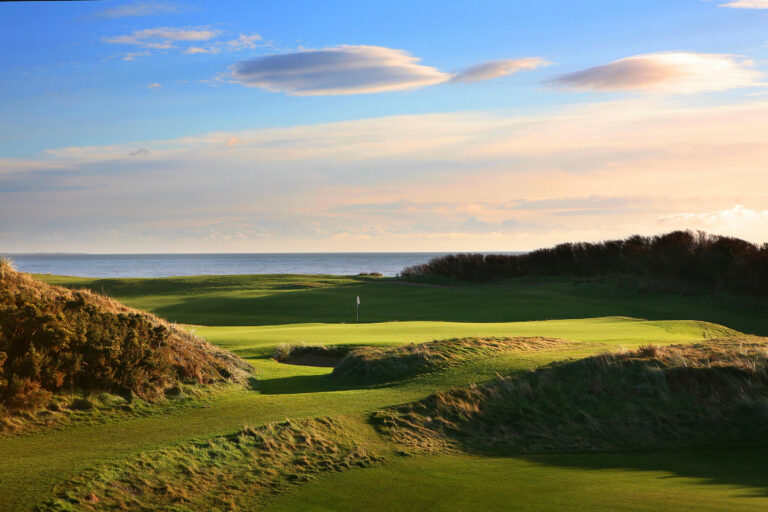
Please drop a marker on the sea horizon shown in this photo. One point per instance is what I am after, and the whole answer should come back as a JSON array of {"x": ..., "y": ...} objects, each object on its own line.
[{"x": 149, "y": 265}]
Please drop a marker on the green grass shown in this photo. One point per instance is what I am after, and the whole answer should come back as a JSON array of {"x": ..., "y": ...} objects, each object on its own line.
[
  {"x": 34, "y": 463},
  {"x": 732, "y": 480},
  {"x": 271, "y": 300},
  {"x": 252, "y": 315},
  {"x": 261, "y": 341}
]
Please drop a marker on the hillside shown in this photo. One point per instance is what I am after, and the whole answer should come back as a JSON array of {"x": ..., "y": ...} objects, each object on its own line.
[
  {"x": 653, "y": 397},
  {"x": 54, "y": 339},
  {"x": 388, "y": 364}
]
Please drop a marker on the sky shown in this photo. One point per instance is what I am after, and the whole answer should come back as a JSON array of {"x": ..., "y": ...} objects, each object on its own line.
[{"x": 221, "y": 126}]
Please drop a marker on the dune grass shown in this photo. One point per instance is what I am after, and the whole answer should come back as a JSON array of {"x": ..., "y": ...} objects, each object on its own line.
[
  {"x": 679, "y": 396},
  {"x": 223, "y": 472}
]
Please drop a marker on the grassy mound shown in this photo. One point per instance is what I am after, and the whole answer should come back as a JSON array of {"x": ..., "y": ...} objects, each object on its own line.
[
  {"x": 57, "y": 340},
  {"x": 375, "y": 364},
  {"x": 225, "y": 473},
  {"x": 649, "y": 398}
]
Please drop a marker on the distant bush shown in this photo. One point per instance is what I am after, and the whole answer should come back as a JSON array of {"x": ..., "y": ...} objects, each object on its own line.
[
  {"x": 716, "y": 262},
  {"x": 55, "y": 339}
]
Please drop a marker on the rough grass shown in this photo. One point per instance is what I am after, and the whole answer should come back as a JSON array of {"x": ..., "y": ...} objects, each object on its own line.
[
  {"x": 223, "y": 473},
  {"x": 648, "y": 398},
  {"x": 56, "y": 340},
  {"x": 386, "y": 364}
]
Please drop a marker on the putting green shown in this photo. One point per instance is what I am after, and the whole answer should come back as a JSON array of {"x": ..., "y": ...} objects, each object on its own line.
[{"x": 612, "y": 331}]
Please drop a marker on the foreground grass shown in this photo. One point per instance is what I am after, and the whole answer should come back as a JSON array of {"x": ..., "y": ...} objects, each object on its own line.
[
  {"x": 224, "y": 472},
  {"x": 241, "y": 313},
  {"x": 32, "y": 464},
  {"x": 725, "y": 480}
]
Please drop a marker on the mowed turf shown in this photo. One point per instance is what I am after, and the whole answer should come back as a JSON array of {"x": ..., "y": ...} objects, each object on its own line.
[
  {"x": 613, "y": 332},
  {"x": 32, "y": 464},
  {"x": 733, "y": 480},
  {"x": 289, "y": 299}
]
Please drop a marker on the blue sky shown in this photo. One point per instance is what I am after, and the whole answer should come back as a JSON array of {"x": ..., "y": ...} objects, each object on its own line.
[{"x": 89, "y": 88}]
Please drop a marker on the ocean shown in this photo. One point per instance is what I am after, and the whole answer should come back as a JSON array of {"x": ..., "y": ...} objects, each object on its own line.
[{"x": 164, "y": 265}]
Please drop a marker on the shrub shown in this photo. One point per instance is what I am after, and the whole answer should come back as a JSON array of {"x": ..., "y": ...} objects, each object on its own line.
[{"x": 52, "y": 338}]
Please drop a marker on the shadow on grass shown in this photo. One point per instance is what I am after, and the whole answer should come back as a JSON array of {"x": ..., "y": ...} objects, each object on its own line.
[
  {"x": 297, "y": 384},
  {"x": 740, "y": 466}
]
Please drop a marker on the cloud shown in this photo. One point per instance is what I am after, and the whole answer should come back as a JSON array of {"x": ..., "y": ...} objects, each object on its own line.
[
  {"x": 163, "y": 37},
  {"x": 339, "y": 70},
  {"x": 498, "y": 68},
  {"x": 456, "y": 181},
  {"x": 350, "y": 69},
  {"x": 242, "y": 42},
  {"x": 154, "y": 85},
  {"x": 747, "y": 4},
  {"x": 670, "y": 72},
  {"x": 140, "y": 9}
]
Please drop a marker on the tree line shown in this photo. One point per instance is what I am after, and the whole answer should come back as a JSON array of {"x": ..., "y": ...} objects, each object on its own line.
[{"x": 697, "y": 258}]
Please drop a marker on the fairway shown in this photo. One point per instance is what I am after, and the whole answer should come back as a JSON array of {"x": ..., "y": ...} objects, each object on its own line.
[{"x": 707, "y": 480}]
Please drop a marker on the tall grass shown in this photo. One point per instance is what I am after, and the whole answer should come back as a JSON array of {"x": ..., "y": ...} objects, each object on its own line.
[
  {"x": 652, "y": 397},
  {"x": 224, "y": 473},
  {"x": 371, "y": 365}
]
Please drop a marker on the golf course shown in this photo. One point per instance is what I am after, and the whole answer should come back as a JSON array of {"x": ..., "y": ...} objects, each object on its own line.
[{"x": 229, "y": 447}]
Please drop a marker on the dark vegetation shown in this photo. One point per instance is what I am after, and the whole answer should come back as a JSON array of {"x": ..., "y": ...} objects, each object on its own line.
[
  {"x": 371, "y": 365},
  {"x": 682, "y": 258},
  {"x": 654, "y": 397},
  {"x": 224, "y": 473},
  {"x": 54, "y": 339}
]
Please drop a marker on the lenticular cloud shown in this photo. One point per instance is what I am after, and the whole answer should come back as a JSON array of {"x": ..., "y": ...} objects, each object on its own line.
[
  {"x": 670, "y": 72},
  {"x": 339, "y": 70}
]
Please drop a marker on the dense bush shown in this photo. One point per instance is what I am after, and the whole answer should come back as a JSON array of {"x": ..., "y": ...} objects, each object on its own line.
[
  {"x": 56, "y": 339},
  {"x": 717, "y": 262}
]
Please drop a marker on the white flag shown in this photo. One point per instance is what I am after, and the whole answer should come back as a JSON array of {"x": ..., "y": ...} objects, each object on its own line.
[{"x": 358, "y": 300}]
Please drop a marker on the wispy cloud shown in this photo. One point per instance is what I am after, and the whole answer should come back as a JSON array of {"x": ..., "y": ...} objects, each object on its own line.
[
  {"x": 669, "y": 72},
  {"x": 154, "y": 85},
  {"x": 191, "y": 41},
  {"x": 421, "y": 182},
  {"x": 747, "y": 4},
  {"x": 350, "y": 69},
  {"x": 163, "y": 37},
  {"x": 498, "y": 68},
  {"x": 242, "y": 42},
  {"x": 136, "y": 9}
]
